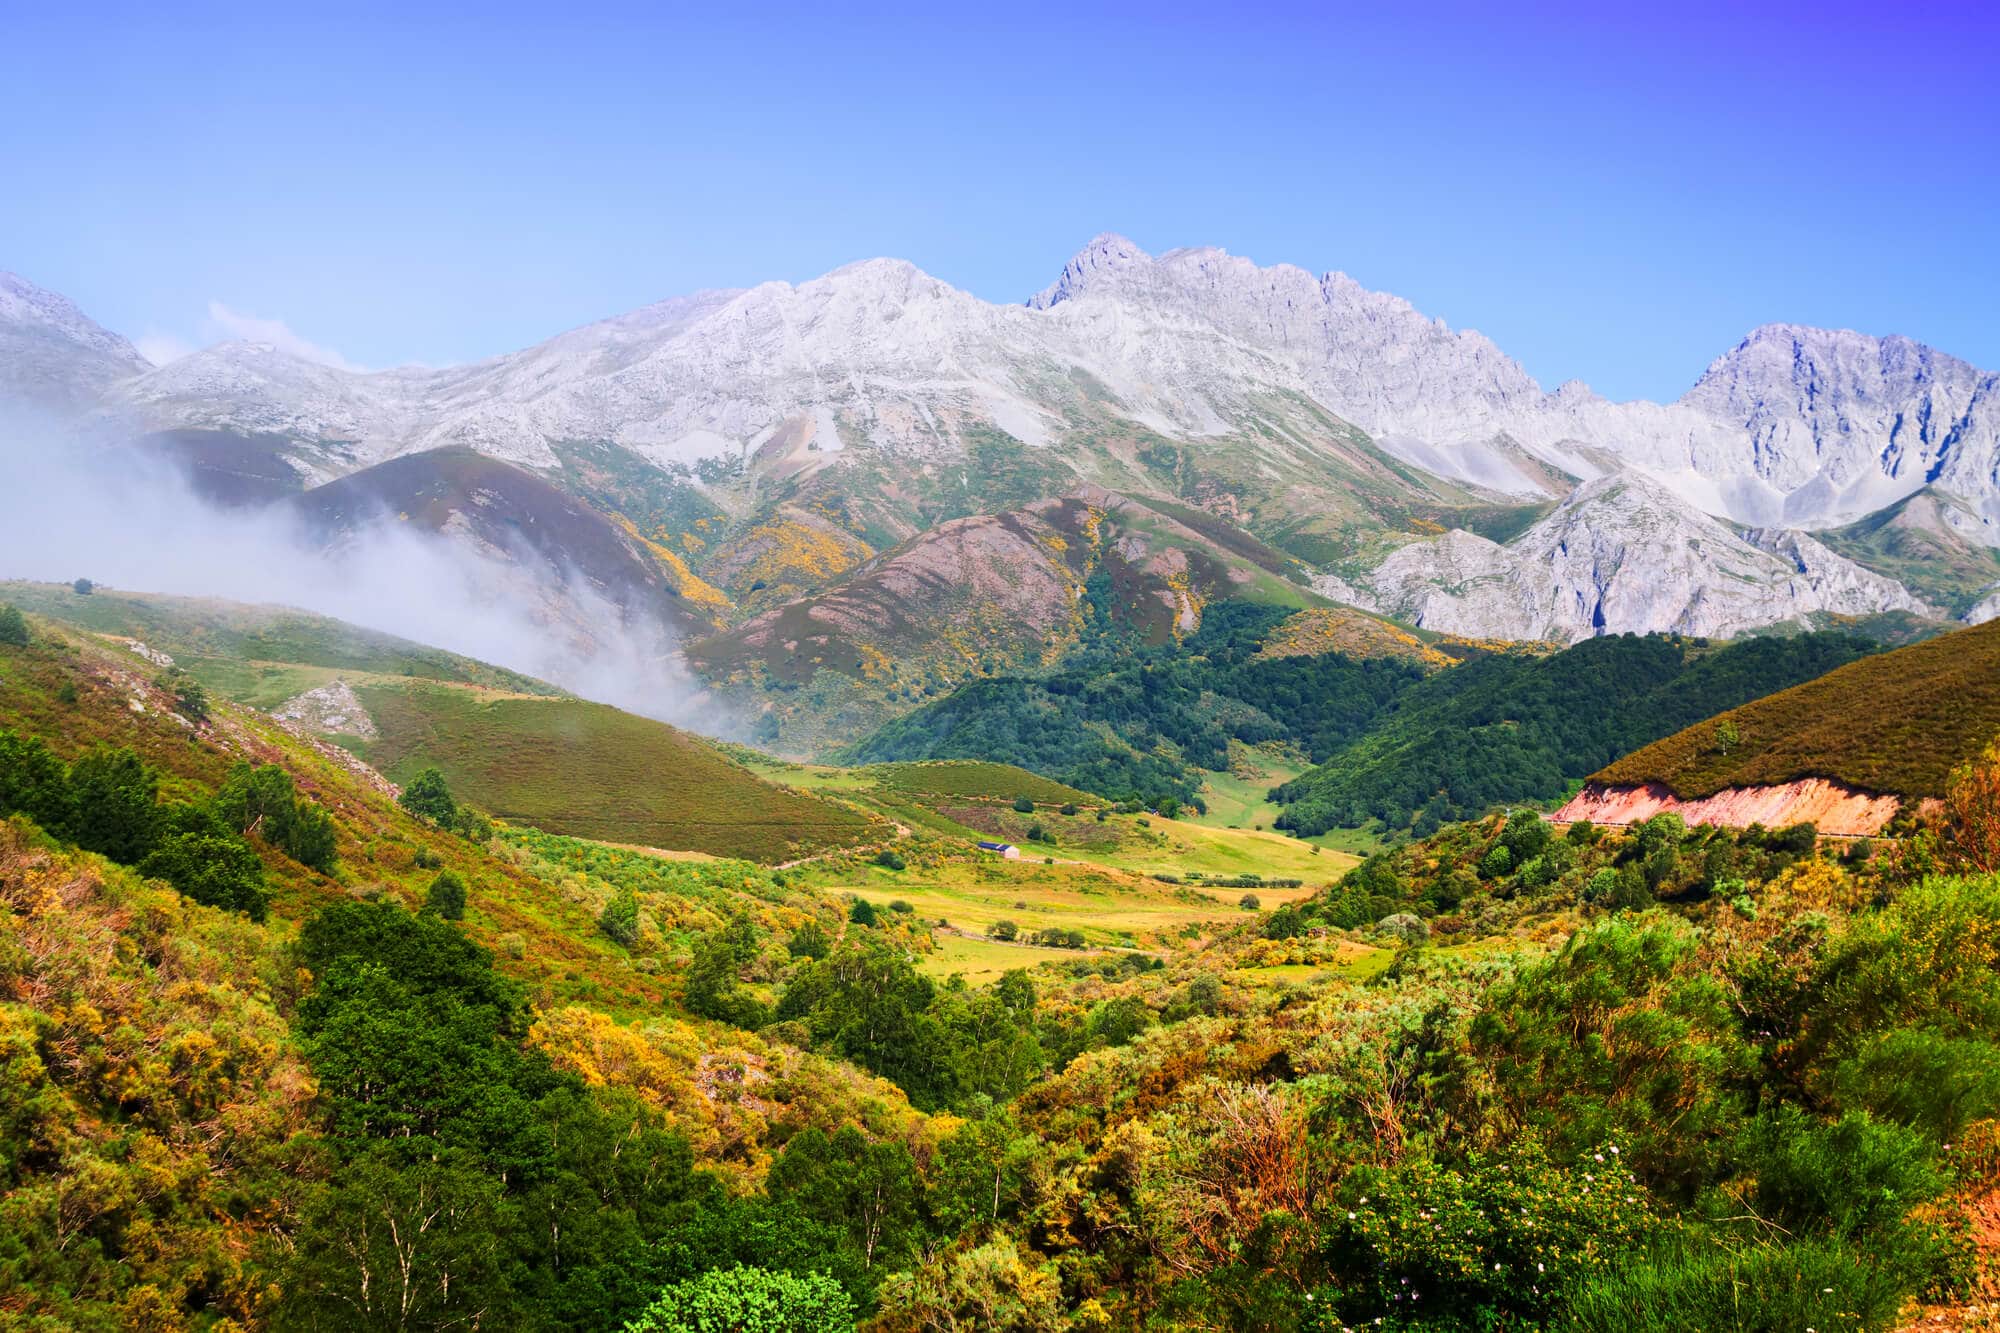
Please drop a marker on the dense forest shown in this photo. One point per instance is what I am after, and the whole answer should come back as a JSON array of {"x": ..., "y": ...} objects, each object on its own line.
[
  {"x": 1501, "y": 729},
  {"x": 1390, "y": 742},
  {"x": 1131, "y": 722}
]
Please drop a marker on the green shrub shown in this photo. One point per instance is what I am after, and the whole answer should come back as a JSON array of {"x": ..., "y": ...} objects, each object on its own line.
[
  {"x": 1250, "y": 902},
  {"x": 202, "y": 859},
  {"x": 749, "y": 1300},
  {"x": 1024, "y": 805},
  {"x": 619, "y": 921},
  {"x": 446, "y": 896},
  {"x": 1496, "y": 863},
  {"x": 1490, "y": 1243},
  {"x": 1285, "y": 923},
  {"x": 115, "y": 795},
  {"x": 427, "y": 797},
  {"x": 35, "y": 783},
  {"x": 263, "y": 800},
  {"x": 1814, "y": 1284},
  {"x": 861, "y": 912},
  {"x": 13, "y": 627},
  {"x": 809, "y": 941},
  {"x": 890, "y": 860},
  {"x": 190, "y": 698},
  {"x": 1004, "y": 930}
]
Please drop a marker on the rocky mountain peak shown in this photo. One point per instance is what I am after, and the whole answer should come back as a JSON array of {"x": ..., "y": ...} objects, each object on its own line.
[
  {"x": 1107, "y": 252},
  {"x": 54, "y": 355}
]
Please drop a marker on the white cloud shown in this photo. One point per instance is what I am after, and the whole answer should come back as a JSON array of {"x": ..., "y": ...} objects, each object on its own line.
[
  {"x": 160, "y": 348},
  {"x": 225, "y": 323}
]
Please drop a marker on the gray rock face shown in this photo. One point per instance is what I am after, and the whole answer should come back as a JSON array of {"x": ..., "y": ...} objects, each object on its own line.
[
  {"x": 52, "y": 355},
  {"x": 1845, "y": 423},
  {"x": 1623, "y": 554},
  {"x": 331, "y": 709},
  {"x": 882, "y": 368}
]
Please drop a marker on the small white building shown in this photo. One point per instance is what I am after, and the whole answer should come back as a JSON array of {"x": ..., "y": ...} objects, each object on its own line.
[{"x": 1006, "y": 851}]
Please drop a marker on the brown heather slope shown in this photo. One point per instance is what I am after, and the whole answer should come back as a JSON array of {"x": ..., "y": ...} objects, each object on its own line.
[
  {"x": 1896, "y": 723},
  {"x": 982, "y": 596}
]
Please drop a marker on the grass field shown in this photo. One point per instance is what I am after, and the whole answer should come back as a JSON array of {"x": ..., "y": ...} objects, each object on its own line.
[
  {"x": 591, "y": 771},
  {"x": 951, "y": 793},
  {"x": 1356, "y": 962},
  {"x": 981, "y": 961},
  {"x": 1110, "y": 908}
]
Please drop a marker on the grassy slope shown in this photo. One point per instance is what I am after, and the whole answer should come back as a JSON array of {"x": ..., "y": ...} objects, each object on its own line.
[
  {"x": 1911, "y": 542},
  {"x": 561, "y": 956},
  {"x": 225, "y": 644},
  {"x": 1896, "y": 723},
  {"x": 590, "y": 770},
  {"x": 508, "y": 743}
]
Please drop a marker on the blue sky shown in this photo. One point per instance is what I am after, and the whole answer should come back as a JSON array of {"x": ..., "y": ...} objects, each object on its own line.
[{"x": 1612, "y": 198}]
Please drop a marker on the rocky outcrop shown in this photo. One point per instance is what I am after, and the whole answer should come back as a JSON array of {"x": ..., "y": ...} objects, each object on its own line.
[
  {"x": 1622, "y": 554},
  {"x": 1833, "y": 806},
  {"x": 331, "y": 710}
]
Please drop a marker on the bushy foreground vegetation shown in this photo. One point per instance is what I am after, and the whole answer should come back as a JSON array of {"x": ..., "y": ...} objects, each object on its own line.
[{"x": 1658, "y": 1079}]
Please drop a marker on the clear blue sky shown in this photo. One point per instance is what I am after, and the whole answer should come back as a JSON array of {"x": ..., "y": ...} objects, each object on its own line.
[{"x": 1614, "y": 198}]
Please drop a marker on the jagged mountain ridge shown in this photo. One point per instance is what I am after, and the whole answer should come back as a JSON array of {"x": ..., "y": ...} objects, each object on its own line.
[
  {"x": 1794, "y": 426},
  {"x": 1335, "y": 422},
  {"x": 1621, "y": 554}
]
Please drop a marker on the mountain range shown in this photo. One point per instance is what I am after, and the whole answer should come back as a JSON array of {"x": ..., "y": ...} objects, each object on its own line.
[{"x": 744, "y": 463}]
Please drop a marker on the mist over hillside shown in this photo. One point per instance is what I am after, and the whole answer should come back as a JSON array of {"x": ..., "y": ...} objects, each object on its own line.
[{"x": 128, "y": 519}]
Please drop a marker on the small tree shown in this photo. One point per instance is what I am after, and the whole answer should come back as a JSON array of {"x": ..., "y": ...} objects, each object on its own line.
[
  {"x": 13, "y": 627},
  {"x": 809, "y": 941},
  {"x": 620, "y": 918},
  {"x": 190, "y": 698},
  {"x": 862, "y": 913},
  {"x": 1249, "y": 902},
  {"x": 427, "y": 797},
  {"x": 890, "y": 860},
  {"x": 1170, "y": 808},
  {"x": 83, "y": 587},
  {"x": 1069, "y": 808},
  {"x": 1004, "y": 930},
  {"x": 116, "y": 795},
  {"x": 1972, "y": 810},
  {"x": 446, "y": 897},
  {"x": 1727, "y": 737},
  {"x": 1024, "y": 805}
]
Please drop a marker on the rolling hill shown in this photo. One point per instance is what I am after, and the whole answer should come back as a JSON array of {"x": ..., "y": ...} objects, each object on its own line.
[
  {"x": 513, "y": 746},
  {"x": 1894, "y": 724},
  {"x": 1520, "y": 728}
]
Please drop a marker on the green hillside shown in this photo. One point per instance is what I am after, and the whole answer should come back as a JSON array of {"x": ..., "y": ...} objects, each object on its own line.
[
  {"x": 588, "y": 769},
  {"x": 1502, "y": 729},
  {"x": 225, "y": 644},
  {"x": 514, "y": 746},
  {"x": 1143, "y": 723},
  {"x": 1896, "y": 723}
]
